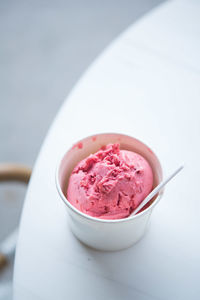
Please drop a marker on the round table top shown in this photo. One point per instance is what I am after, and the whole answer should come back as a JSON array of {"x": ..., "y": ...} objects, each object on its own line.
[{"x": 146, "y": 84}]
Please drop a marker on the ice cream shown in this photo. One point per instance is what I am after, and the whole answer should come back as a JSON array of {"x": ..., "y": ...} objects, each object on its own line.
[{"x": 110, "y": 184}]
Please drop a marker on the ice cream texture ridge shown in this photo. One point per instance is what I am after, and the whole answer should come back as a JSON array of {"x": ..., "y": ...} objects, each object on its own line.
[{"x": 110, "y": 184}]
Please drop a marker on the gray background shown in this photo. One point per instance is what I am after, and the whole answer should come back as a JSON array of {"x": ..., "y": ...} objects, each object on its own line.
[{"x": 45, "y": 46}]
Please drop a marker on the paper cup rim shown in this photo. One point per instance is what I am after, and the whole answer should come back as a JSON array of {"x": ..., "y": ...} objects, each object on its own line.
[{"x": 94, "y": 219}]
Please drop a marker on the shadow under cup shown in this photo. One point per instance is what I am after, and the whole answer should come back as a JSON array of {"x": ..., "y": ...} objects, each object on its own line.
[{"x": 97, "y": 233}]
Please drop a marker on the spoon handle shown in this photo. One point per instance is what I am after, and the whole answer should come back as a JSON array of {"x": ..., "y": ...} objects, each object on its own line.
[{"x": 156, "y": 190}]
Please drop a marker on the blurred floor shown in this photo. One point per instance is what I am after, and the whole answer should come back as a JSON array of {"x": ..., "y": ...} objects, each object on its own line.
[{"x": 45, "y": 46}]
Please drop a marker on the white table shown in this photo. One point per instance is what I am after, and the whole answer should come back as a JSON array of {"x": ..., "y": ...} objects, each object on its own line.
[{"x": 146, "y": 84}]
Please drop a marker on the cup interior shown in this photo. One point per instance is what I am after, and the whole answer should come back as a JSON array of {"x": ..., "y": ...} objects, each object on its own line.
[{"x": 92, "y": 144}]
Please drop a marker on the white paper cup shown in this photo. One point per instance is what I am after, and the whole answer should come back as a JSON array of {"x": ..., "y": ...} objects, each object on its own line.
[{"x": 97, "y": 233}]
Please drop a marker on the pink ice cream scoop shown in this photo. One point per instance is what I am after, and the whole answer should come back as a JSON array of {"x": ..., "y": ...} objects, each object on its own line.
[{"x": 110, "y": 184}]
